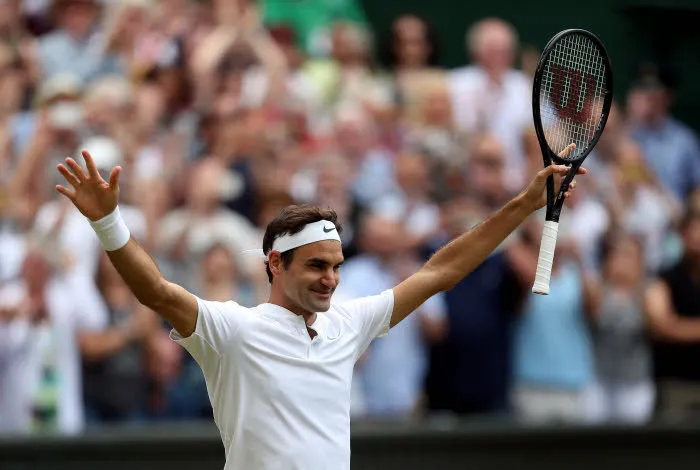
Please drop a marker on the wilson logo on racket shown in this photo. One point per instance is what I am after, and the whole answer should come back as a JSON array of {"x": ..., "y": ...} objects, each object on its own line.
[{"x": 571, "y": 106}]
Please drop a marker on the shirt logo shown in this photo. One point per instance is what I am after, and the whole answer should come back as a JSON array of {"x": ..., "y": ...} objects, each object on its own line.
[{"x": 328, "y": 229}]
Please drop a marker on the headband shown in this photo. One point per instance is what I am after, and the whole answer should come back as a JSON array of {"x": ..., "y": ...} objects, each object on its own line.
[{"x": 311, "y": 233}]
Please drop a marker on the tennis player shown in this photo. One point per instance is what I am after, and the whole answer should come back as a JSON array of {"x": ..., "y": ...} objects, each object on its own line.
[{"x": 278, "y": 375}]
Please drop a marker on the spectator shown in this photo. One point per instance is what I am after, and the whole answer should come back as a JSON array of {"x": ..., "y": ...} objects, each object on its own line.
[
  {"x": 18, "y": 40},
  {"x": 411, "y": 46},
  {"x": 471, "y": 368},
  {"x": 52, "y": 316},
  {"x": 639, "y": 206},
  {"x": 671, "y": 149},
  {"x": 372, "y": 165},
  {"x": 411, "y": 55},
  {"x": 54, "y": 131},
  {"x": 186, "y": 232},
  {"x": 391, "y": 374},
  {"x": 351, "y": 75},
  {"x": 624, "y": 390},
  {"x": 411, "y": 203},
  {"x": 554, "y": 364},
  {"x": 74, "y": 47},
  {"x": 115, "y": 380},
  {"x": 672, "y": 304},
  {"x": 491, "y": 96},
  {"x": 432, "y": 131}
]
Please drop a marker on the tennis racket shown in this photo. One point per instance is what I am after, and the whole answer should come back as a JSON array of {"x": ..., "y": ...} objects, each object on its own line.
[{"x": 571, "y": 98}]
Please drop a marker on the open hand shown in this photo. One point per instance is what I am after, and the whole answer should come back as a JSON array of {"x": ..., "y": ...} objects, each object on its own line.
[
  {"x": 536, "y": 196},
  {"x": 91, "y": 194}
]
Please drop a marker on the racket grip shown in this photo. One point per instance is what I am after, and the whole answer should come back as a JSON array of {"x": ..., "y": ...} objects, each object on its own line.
[{"x": 546, "y": 258}]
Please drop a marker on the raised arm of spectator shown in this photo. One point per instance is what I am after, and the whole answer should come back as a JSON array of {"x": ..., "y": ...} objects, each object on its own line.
[
  {"x": 664, "y": 322},
  {"x": 28, "y": 180},
  {"x": 206, "y": 58},
  {"x": 266, "y": 51}
]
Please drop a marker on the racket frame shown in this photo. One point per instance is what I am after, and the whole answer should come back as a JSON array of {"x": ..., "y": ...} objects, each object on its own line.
[{"x": 556, "y": 204}]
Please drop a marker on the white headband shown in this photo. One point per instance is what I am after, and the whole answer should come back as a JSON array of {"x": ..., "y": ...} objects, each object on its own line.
[{"x": 311, "y": 233}]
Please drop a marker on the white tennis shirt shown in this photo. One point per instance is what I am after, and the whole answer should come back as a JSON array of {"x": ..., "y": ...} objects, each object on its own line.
[{"x": 281, "y": 400}]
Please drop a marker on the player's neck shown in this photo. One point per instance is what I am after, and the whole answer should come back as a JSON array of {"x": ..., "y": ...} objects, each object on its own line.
[{"x": 280, "y": 300}]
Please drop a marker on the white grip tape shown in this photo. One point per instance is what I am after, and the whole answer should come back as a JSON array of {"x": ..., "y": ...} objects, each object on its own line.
[
  {"x": 546, "y": 258},
  {"x": 112, "y": 231}
]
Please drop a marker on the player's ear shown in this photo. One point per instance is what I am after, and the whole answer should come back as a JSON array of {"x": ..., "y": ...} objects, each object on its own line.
[{"x": 275, "y": 262}]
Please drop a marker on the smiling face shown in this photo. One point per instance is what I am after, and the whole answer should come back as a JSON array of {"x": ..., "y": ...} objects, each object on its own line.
[{"x": 307, "y": 284}]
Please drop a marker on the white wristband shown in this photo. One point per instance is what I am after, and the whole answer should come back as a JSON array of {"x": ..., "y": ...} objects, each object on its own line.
[{"x": 112, "y": 231}]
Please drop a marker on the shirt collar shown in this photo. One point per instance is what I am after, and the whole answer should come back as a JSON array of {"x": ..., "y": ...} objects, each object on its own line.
[{"x": 294, "y": 321}]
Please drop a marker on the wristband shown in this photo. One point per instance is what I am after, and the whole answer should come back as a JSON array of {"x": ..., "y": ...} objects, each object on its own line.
[{"x": 112, "y": 231}]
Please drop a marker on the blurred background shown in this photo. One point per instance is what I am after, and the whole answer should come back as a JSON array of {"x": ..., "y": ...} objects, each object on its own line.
[{"x": 412, "y": 120}]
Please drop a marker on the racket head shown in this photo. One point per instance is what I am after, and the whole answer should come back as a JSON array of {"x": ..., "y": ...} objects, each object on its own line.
[{"x": 572, "y": 95}]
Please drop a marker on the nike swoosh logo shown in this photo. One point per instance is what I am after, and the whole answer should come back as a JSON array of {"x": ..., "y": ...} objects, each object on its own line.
[{"x": 328, "y": 229}]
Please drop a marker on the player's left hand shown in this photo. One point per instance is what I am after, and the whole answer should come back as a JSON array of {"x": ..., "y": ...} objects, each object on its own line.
[{"x": 535, "y": 195}]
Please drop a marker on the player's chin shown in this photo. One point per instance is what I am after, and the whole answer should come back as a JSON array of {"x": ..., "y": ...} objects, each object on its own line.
[{"x": 321, "y": 301}]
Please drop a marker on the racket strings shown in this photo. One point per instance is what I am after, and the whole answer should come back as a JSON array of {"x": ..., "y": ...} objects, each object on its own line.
[{"x": 572, "y": 94}]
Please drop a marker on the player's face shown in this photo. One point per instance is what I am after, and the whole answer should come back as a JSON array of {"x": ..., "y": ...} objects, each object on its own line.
[{"x": 313, "y": 275}]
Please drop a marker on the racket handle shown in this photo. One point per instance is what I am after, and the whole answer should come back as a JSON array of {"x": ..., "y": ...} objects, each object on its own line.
[{"x": 546, "y": 258}]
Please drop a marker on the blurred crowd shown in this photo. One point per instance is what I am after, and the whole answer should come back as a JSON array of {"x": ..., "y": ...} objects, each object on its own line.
[{"x": 221, "y": 112}]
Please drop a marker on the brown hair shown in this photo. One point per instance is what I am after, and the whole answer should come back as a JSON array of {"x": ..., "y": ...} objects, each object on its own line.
[{"x": 291, "y": 220}]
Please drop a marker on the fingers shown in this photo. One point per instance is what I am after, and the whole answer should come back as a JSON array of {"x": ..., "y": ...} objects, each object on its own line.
[
  {"x": 77, "y": 171},
  {"x": 569, "y": 148},
  {"x": 552, "y": 169},
  {"x": 69, "y": 193},
  {"x": 70, "y": 177},
  {"x": 114, "y": 176},
  {"x": 561, "y": 170},
  {"x": 90, "y": 164},
  {"x": 569, "y": 190}
]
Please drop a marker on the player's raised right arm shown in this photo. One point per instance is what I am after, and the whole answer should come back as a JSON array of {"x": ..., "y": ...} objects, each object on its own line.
[{"x": 97, "y": 200}]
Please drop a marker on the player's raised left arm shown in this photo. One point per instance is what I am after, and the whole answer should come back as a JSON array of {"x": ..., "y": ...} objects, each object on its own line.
[{"x": 457, "y": 259}]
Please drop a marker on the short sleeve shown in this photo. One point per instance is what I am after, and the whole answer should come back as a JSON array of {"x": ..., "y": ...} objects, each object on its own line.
[
  {"x": 217, "y": 326},
  {"x": 370, "y": 316}
]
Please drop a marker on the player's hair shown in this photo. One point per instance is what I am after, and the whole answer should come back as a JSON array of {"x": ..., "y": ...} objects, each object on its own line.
[{"x": 291, "y": 220}]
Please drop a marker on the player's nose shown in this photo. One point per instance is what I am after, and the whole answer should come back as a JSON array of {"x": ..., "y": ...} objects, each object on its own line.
[{"x": 329, "y": 280}]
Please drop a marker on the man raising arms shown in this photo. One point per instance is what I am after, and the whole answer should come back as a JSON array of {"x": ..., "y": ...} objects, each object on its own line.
[{"x": 279, "y": 374}]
